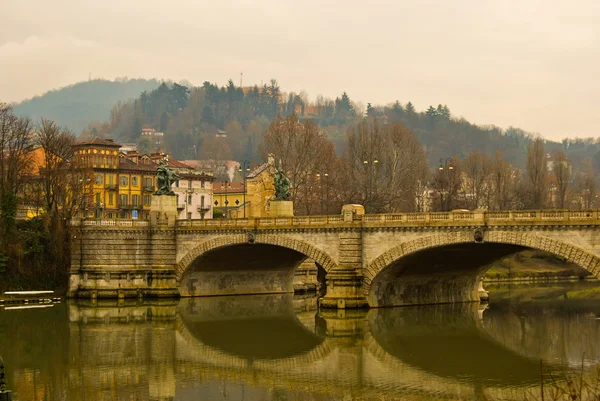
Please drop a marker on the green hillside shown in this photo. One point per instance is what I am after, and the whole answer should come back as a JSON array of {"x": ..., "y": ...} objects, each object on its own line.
[{"x": 75, "y": 106}]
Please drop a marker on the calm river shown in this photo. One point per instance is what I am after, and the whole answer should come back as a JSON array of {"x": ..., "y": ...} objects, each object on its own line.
[{"x": 257, "y": 348}]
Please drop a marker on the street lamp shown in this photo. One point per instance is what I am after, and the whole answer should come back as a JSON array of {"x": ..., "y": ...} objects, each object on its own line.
[
  {"x": 371, "y": 165},
  {"x": 321, "y": 188},
  {"x": 244, "y": 169},
  {"x": 447, "y": 168},
  {"x": 226, "y": 201},
  {"x": 85, "y": 182}
]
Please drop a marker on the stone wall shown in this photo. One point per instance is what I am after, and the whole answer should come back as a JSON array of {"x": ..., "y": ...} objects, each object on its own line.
[
  {"x": 122, "y": 262},
  {"x": 126, "y": 258}
]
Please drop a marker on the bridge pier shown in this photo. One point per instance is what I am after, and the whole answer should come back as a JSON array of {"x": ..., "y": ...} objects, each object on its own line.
[
  {"x": 344, "y": 282},
  {"x": 344, "y": 290},
  {"x": 305, "y": 277}
]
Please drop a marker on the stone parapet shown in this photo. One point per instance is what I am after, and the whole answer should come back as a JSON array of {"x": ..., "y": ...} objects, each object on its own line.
[{"x": 124, "y": 258}]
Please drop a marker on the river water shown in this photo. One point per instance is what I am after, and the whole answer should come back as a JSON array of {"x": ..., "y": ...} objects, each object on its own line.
[{"x": 279, "y": 347}]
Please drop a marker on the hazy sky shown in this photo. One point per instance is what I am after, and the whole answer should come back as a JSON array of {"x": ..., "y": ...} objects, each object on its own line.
[{"x": 528, "y": 63}]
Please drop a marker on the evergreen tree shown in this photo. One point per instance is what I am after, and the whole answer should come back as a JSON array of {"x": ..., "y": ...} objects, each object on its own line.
[
  {"x": 431, "y": 112},
  {"x": 207, "y": 115},
  {"x": 370, "y": 110}
]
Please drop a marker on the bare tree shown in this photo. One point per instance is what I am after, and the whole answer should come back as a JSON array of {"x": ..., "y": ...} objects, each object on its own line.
[
  {"x": 385, "y": 166},
  {"x": 503, "y": 183},
  {"x": 583, "y": 194},
  {"x": 561, "y": 170},
  {"x": 536, "y": 175},
  {"x": 62, "y": 184},
  {"x": 446, "y": 184},
  {"x": 302, "y": 151},
  {"x": 15, "y": 162},
  {"x": 57, "y": 145},
  {"x": 477, "y": 168}
]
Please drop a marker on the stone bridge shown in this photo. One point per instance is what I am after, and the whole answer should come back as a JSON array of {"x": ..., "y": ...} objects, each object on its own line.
[{"x": 370, "y": 260}]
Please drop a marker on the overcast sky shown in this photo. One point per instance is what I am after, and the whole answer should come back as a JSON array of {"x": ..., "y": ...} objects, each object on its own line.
[{"x": 528, "y": 63}]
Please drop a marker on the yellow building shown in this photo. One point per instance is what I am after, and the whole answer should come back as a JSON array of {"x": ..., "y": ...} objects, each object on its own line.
[
  {"x": 122, "y": 184},
  {"x": 259, "y": 189}
]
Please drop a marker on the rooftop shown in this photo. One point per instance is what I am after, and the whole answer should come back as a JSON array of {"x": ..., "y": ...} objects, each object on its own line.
[
  {"x": 99, "y": 142},
  {"x": 232, "y": 187}
]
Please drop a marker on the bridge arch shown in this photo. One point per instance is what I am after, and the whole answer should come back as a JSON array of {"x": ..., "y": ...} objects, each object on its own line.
[
  {"x": 557, "y": 247},
  {"x": 305, "y": 248}
]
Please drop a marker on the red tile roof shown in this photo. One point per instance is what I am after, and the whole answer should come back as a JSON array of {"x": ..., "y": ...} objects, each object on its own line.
[
  {"x": 125, "y": 164},
  {"x": 99, "y": 142},
  {"x": 232, "y": 187}
]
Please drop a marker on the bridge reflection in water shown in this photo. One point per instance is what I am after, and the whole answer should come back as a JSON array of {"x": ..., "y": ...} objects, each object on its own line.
[{"x": 276, "y": 346}]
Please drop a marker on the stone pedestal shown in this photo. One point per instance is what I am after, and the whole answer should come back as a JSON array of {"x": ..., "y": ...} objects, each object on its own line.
[
  {"x": 163, "y": 210},
  {"x": 281, "y": 209}
]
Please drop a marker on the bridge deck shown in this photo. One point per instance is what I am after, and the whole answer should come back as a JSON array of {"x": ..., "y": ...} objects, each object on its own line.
[{"x": 491, "y": 218}]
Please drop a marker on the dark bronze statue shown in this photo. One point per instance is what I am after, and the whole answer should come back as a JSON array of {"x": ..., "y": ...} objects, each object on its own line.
[
  {"x": 165, "y": 177},
  {"x": 282, "y": 186}
]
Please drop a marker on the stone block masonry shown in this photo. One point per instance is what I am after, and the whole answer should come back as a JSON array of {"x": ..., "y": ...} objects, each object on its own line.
[{"x": 361, "y": 256}]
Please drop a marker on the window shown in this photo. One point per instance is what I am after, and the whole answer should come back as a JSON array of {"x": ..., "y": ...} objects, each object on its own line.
[
  {"x": 189, "y": 184},
  {"x": 111, "y": 198},
  {"x": 123, "y": 199},
  {"x": 148, "y": 182},
  {"x": 189, "y": 216},
  {"x": 111, "y": 180},
  {"x": 202, "y": 201},
  {"x": 123, "y": 180},
  {"x": 201, "y": 184},
  {"x": 99, "y": 179},
  {"x": 147, "y": 199},
  {"x": 135, "y": 181},
  {"x": 189, "y": 199},
  {"x": 135, "y": 200},
  {"x": 97, "y": 198}
]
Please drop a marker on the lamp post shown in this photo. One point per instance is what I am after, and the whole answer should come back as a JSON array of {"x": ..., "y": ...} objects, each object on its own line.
[
  {"x": 226, "y": 201},
  {"x": 371, "y": 164},
  {"x": 445, "y": 169},
  {"x": 85, "y": 182},
  {"x": 322, "y": 177},
  {"x": 244, "y": 169}
]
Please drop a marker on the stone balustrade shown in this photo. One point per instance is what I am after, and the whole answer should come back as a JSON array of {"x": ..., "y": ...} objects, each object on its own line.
[{"x": 495, "y": 217}]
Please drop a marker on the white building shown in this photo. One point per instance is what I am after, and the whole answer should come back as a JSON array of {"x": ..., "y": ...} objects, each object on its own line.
[{"x": 194, "y": 191}]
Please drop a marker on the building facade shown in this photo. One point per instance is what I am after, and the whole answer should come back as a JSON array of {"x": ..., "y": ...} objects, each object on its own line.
[
  {"x": 121, "y": 185},
  {"x": 194, "y": 191},
  {"x": 249, "y": 198}
]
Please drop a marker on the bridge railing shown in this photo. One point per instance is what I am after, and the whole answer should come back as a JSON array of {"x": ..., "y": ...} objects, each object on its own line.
[
  {"x": 109, "y": 222},
  {"x": 429, "y": 218}
]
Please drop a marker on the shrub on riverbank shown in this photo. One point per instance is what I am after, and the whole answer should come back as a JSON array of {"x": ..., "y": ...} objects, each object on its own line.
[{"x": 36, "y": 256}]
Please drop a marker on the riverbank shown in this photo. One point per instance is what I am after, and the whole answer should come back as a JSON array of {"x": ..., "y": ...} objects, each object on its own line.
[{"x": 534, "y": 266}]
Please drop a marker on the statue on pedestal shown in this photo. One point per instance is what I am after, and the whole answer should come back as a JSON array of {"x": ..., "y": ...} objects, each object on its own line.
[
  {"x": 165, "y": 177},
  {"x": 282, "y": 186}
]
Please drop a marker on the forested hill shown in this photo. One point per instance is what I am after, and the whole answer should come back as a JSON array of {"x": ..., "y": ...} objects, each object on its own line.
[
  {"x": 190, "y": 117},
  {"x": 75, "y": 106}
]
